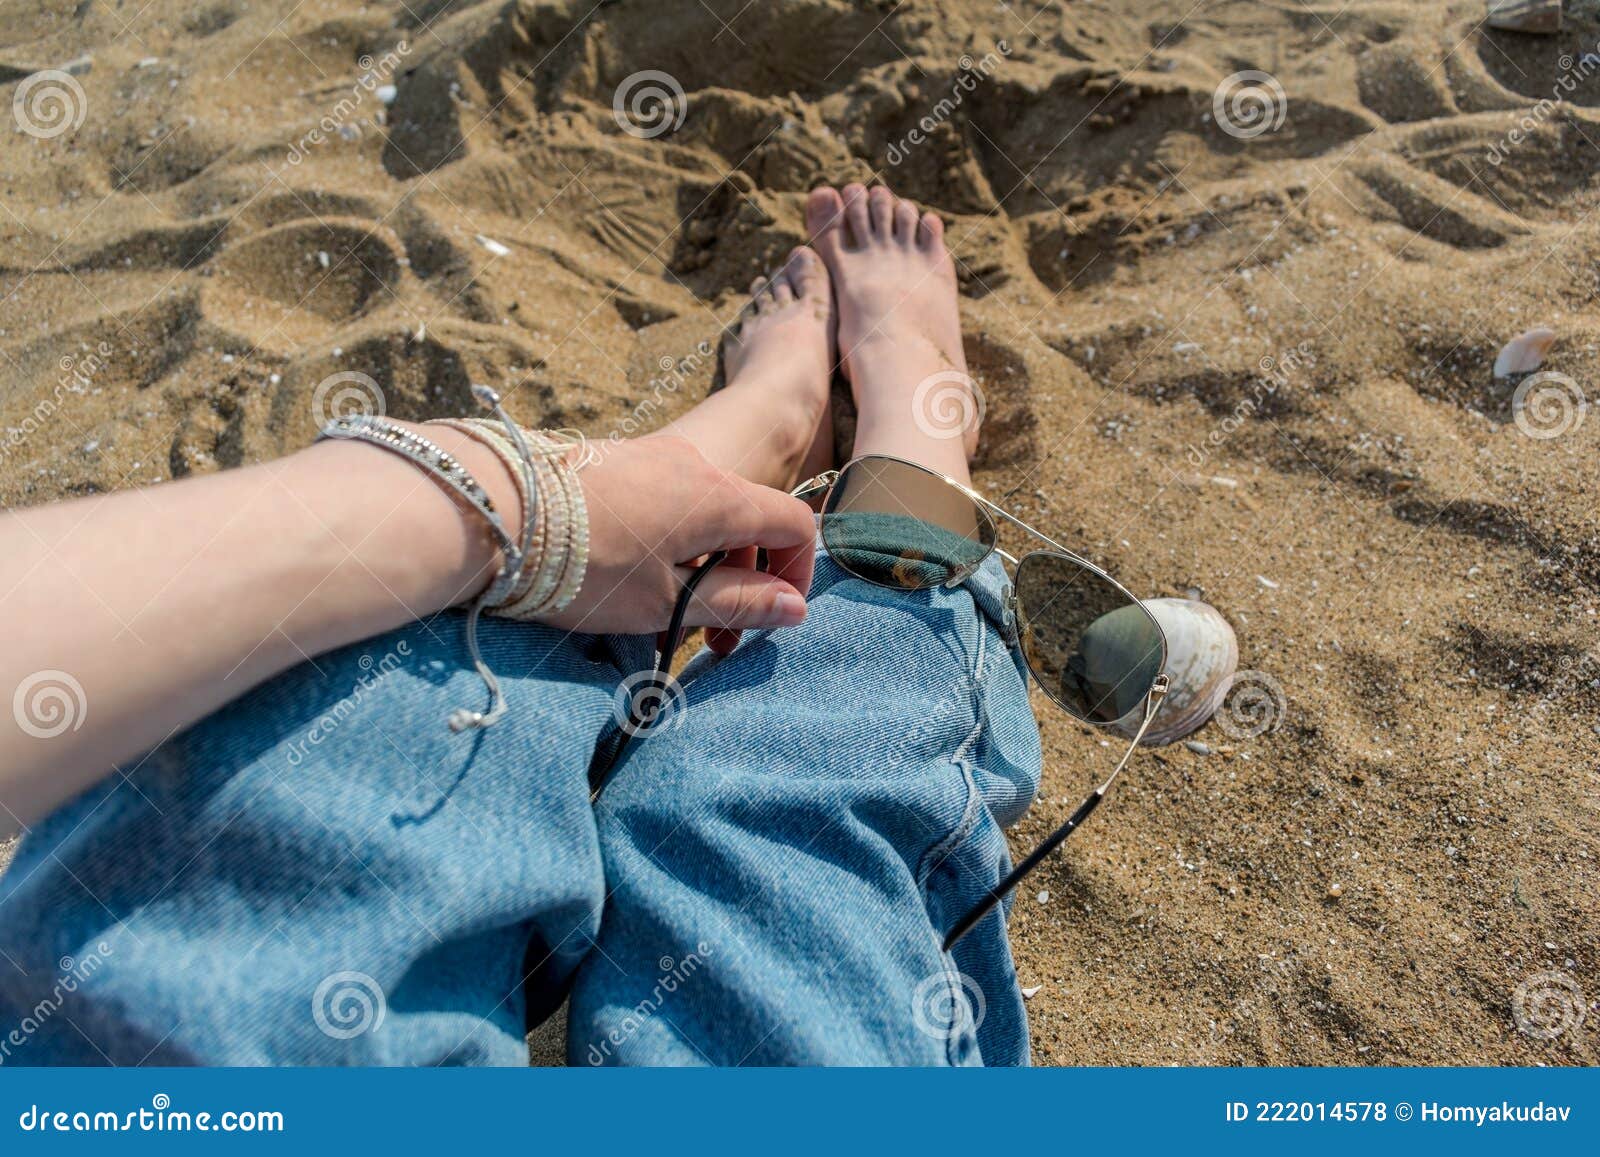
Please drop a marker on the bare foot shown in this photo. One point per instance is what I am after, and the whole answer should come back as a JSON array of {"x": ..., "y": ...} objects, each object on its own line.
[
  {"x": 770, "y": 423},
  {"x": 899, "y": 326}
]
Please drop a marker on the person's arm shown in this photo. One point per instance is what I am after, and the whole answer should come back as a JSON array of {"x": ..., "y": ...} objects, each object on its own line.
[{"x": 133, "y": 615}]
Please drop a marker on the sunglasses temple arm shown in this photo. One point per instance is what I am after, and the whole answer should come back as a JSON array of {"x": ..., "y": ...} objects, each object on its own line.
[
  {"x": 606, "y": 759},
  {"x": 999, "y": 892},
  {"x": 1018, "y": 523},
  {"x": 812, "y": 487}
]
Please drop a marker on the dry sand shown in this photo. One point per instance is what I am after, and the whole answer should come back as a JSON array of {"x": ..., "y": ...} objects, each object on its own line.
[{"x": 1427, "y": 571}]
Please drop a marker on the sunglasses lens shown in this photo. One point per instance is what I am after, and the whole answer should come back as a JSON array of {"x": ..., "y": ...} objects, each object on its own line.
[
  {"x": 1093, "y": 649},
  {"x": 899, "y": 525}
]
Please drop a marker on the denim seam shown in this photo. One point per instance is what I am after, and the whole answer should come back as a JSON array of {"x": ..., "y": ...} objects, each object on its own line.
[{"x": 973, "y": 809}]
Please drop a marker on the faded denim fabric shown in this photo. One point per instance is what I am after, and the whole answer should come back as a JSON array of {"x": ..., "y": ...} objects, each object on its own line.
[{"x": 322, "y": 873}]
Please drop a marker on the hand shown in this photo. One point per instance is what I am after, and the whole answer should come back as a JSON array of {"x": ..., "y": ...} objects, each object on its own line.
[{"x": 655, "y": 507}]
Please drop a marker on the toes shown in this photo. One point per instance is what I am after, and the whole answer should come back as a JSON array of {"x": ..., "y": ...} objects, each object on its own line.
[
  {"x": 807, "y": 274},
  {"x": 905, "y": 222},
  {"x": 931, "y": 234},
  {"x": 880, "y": 208},
  {"x": 825, "y": 220},
  {"x": 760, "y": 299},
  {"x": 780, "y": 291},
  {"x": 856, "y": 215}
]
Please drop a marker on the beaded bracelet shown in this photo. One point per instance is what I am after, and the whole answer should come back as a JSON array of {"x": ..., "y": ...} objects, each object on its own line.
[
  {"x": 560, "y": 541},
  {"x": 516, "y": 553}
]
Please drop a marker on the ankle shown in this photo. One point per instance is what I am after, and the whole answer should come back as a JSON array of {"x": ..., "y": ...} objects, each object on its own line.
[{"x": 882, "y": 434}]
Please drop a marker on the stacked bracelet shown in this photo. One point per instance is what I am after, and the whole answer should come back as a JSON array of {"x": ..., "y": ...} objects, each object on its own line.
[
  {"x": 558, "y": 558},
  {"x": 542, "y": 567}
]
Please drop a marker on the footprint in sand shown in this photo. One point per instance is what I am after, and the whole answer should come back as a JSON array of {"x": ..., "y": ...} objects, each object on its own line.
[{"x": 299, "y": 282}]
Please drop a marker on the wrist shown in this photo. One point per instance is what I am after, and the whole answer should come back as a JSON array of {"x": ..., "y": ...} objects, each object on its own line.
[
  {"x": 425, "y": 545},
  {"x": 471, "y": 570}
]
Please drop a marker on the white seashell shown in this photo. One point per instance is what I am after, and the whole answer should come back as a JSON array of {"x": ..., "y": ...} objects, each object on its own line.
[
  {"x": 1524, "y": 353},
  {"x": 1202, "y": 655},
  {"x": 1525, "y": 15}
]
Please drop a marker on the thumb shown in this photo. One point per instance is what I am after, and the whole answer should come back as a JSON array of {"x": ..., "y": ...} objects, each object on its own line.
[{"x": 733, "y": 598}]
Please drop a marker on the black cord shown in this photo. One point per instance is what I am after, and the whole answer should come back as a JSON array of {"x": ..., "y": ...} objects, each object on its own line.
[
  {"x": 999, "y": 891},
  {"x": 606, "y": 759}
]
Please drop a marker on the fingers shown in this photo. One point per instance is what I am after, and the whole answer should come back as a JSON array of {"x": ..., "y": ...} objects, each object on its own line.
[
  {"x": 734, "y": 598},
  {"x": 739, "y": 516},
  {"x": 720, "y": 641},
  {"x": 731, "y": 513}
]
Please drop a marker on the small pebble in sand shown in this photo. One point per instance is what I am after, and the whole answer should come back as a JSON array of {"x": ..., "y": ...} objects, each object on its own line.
[
  {"x": 1335, "y": 890},
  {"x": 1029, "y": 993},
  {"x": 386, "y": 93},
  {"x": 494, "y": 246},
  {"x": 1044, "y": 897},
  {"x": 1266, "y": 582},
  {"x": 1197, "y": 747}
]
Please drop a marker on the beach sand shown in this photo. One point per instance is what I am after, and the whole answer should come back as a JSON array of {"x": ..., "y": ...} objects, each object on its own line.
[{"x": 1253, "y": 366}]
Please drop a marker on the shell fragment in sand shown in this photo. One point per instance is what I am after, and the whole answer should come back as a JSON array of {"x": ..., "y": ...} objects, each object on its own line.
[
  {"x": 493, "y": 246},
  {"x": 1541, "y": 16},
  {"x": 1524, "y": 353}
]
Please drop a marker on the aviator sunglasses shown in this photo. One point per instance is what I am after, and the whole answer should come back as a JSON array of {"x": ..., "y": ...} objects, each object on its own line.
[{"x": 1092, "y": 647}]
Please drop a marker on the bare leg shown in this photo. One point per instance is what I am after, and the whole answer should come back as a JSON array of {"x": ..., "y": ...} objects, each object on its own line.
[{"x": 771, "y": 424}]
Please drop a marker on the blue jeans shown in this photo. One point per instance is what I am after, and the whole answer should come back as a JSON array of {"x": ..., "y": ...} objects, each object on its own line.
[{"x": 322, "y": 873}]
